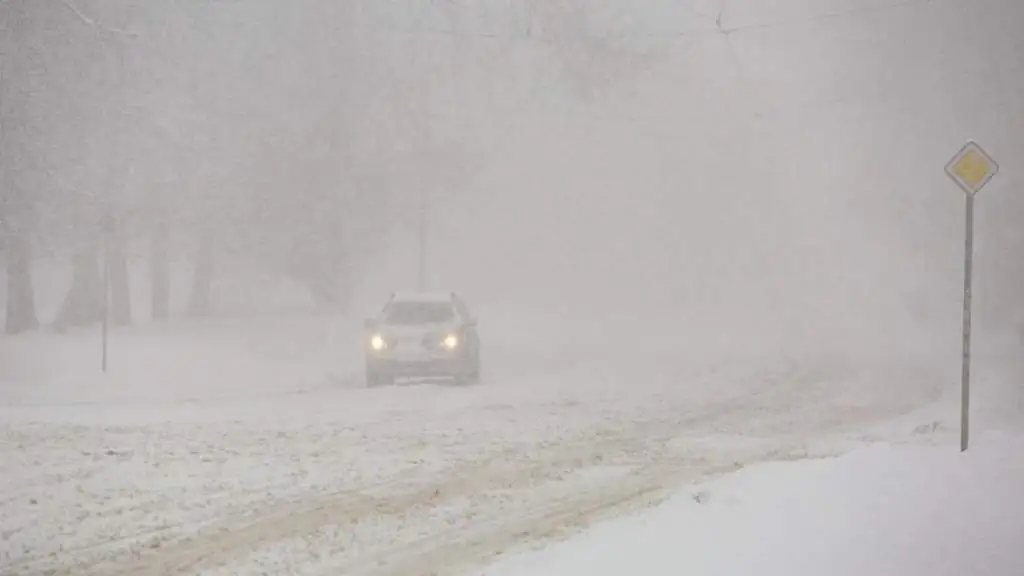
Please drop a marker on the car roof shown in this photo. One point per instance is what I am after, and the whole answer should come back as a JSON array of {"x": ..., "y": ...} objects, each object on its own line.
[{"x": 425, "y": 297}]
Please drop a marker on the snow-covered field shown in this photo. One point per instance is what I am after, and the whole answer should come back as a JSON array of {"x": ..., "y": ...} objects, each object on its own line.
[
  {"x": 249, "y": 446},
  {"x": 885, "y": 511}
]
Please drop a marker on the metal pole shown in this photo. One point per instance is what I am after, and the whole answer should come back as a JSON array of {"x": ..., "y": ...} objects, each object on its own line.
[
  {"x": 965, "y": 382},
  {"x": 105, "y": 301},
  {"x": 421, "y": 277}
]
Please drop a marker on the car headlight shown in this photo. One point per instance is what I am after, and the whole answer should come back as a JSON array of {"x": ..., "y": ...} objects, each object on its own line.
[
  {"x": 450, "y": 342},
  {"x": 377, "y": 343}
]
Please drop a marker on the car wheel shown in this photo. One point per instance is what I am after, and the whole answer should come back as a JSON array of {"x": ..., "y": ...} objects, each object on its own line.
[
  {"x": 473, "y": 374},
  {"x": 476, "y": 370}
]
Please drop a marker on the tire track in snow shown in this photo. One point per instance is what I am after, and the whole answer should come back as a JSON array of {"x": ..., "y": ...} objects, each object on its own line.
[
  {"x": 473, "y": 543},
  {"x": 227, "y": 540},
  {"x": 471, "y": 547},
  {"x": 36, "y": 564},
  {"x": 637, "y": 437},
  {"x": 462, "y": 547}
]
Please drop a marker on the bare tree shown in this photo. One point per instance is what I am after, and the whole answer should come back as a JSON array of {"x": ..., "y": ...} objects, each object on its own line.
[
  {"x": 21, "y": 315},
  {"x": 85, "y": 96},
  {"x": 160, "y": 276},
  {"x": 202, "y": 280},
  {"x": 15, "y": 205}
]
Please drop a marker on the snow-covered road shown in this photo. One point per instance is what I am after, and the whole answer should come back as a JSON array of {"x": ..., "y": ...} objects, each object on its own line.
[{"x": 321, "y": 475}]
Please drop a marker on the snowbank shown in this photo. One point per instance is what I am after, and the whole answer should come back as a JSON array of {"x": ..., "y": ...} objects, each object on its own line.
[{"x": 892, "y": 510}]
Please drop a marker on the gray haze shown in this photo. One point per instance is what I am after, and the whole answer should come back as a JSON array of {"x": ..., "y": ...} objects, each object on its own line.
[
  {"x": 676, "y": 179},
  {"x": 698, "y": 235}
]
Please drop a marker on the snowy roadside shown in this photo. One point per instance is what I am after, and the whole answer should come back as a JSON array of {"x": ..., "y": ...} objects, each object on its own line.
[
  {"x": 45, "y": 376},
  {"x": 885, "y": 511},
  {"x": 262, "y": 461}
]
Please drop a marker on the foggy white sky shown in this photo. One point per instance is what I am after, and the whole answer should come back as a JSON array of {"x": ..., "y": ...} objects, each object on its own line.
[
  {"x": 777, "y": 186},
  {"x": 784, "y": 188}
]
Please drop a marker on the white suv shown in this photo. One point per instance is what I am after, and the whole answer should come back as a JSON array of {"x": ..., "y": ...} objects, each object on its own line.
[{"x": 422, "y": 335}]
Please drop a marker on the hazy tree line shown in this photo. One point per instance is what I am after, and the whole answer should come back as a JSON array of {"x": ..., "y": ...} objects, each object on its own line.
[
  {"x": 206, "y": 131},
  {"x": 281, "y": 134}
]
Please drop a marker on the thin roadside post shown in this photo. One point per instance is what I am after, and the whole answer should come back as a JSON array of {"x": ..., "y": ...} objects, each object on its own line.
[{"x": 971, "y": 169}]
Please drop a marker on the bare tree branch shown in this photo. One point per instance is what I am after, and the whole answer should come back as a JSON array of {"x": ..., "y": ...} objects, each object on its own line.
[{"x": 97, "y": 25}]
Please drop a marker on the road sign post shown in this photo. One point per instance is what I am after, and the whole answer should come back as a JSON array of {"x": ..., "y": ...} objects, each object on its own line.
[
  {"x": 421, "y": 257},
  {"x": 971, "y": 169},
  {"x": 105, "y": 309},
  {"x": 107, "y": 226}
]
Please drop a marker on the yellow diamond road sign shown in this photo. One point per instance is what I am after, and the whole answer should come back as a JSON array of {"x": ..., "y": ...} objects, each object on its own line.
[{"x": 972, "y": 168}]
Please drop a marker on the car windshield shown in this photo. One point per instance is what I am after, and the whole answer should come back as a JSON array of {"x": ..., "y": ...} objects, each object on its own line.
[{"x": 412, "y": 313}]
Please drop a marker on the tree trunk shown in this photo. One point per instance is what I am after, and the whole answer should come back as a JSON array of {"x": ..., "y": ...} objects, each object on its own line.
[
  {"x": 21, "y": 305},
  {"x": 202, "y": 280},
  {"x": 160, "y": 277},
  {"x": 83, "y": 304},
  {"x": 120, "y": 289}
]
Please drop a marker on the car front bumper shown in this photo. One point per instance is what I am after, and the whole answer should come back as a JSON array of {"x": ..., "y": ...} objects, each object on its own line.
[{"x": 426, "y": 368}]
